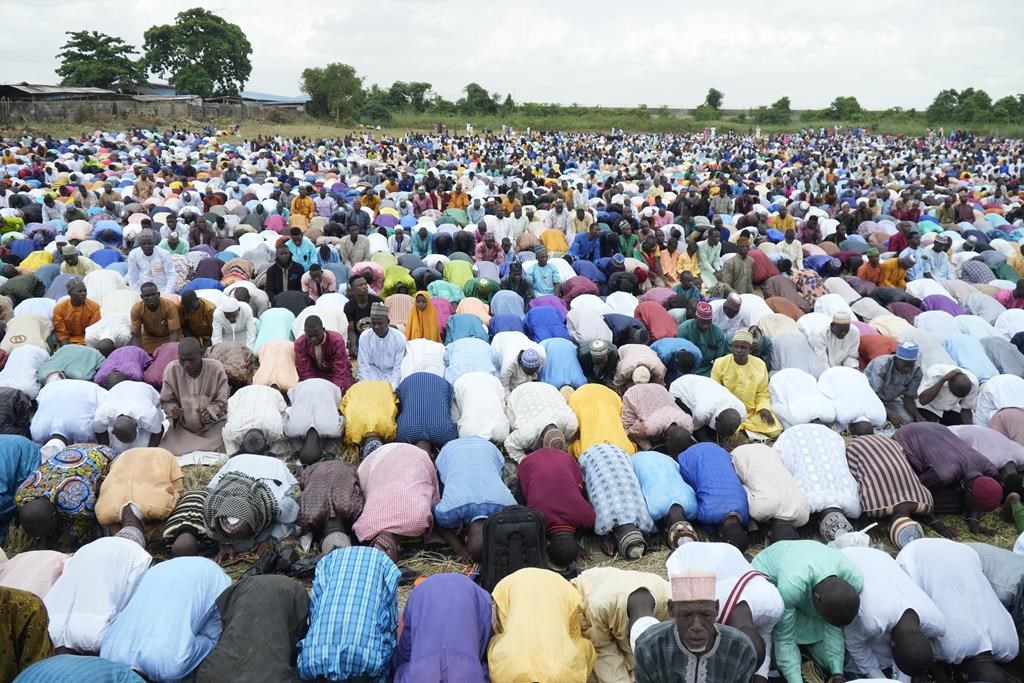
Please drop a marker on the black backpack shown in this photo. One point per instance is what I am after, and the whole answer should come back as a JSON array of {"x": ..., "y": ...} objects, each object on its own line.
[{"x": 513, "y": 539}]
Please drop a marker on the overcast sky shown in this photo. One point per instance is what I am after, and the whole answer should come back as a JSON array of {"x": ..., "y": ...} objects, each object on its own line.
[{"x": 597, "y": 52}]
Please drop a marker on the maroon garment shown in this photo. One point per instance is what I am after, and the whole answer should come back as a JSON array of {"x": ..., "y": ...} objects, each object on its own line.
[
  {"x": 577, "y": 286},
  {"x": 898, "y": 243},
  {"x": 939, "y": 456},
  {"x": 334, "y": 365},
  {"x": 938, "y": 302},
  {"x": 657, "y": 320},
  {"x": 552, "y": 483},
  {"x": 209, "y": 268},
  {"x": 163, "y": 356},
  {"x": 908, "y": 312},
  {"x": 763, "y": 267}
]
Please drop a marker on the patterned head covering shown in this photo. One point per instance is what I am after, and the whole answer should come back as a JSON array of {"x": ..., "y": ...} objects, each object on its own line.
[
  {"x": 530, "y": 359},
  {"x": 378, "y": 310},
  {"x": 239, "y": 498},
  {"x": 704, "y": 311},
  {"x": 743, "y": 336}
]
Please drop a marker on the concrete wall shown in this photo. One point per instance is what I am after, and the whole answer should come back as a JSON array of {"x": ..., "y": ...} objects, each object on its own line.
[{"x": 16, "y": 113}]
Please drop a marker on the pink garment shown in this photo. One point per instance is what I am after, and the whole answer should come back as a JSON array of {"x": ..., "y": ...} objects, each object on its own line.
[
  {"x": 864, "y": 328},
  {"x": 578, "y": 286},
  {"x": 648, "y": 410},
  {"x": 377, "y": 271},
  {"x": 35, "y": 571},
  {"x": 1005, "y": 297},
  {"x": 444, "y": 311},
  {"x": 399, "y": 483},
  {"x": 163, "y": 356},
  {"x": 659, "y": 295},
  {"x": 475, "y": 306}
]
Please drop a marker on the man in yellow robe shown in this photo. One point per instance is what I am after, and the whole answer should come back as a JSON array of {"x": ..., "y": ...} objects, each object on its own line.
[
  {"x": 599, "y": 412},
  {"x": 746, "y": 377},
  {"x": 537, "y": 634}
]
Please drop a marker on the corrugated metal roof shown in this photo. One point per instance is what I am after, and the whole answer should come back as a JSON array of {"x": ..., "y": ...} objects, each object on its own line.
[{"x": 36, "y": 89}]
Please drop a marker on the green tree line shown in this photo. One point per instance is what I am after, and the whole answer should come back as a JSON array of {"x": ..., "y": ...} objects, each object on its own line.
[{"x": 199, "y": 54}]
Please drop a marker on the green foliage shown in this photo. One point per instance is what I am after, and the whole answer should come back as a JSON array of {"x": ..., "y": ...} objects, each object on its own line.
[
  {"x": 200, "y": 54},
  {"x": 509, "y": 105},
  {"x": 843, "y": 109},
  {"x": 705, "y": 112},
  {"x": 973, "y": 106},
  {"x": 714, "y": 98},
  {"x": 778, "y": 113},
  {"x": 336, "y": 91},
  {"x": 478, "y": 100},
  {"x": 663, "y": 112},
  {"x": 90, "y": 59}
]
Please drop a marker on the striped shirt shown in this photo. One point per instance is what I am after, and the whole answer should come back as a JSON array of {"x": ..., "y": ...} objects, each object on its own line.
[
  {"x": 884, "y": 476},
  {"x": 353, "y": 621}
]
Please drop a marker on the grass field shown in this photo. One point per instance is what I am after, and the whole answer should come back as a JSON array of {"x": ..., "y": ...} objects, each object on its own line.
[{"x": 587, "y": 119}]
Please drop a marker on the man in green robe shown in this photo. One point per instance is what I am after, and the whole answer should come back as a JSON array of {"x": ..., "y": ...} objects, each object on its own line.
[
  {"x": 706, "y": 336},
  {"x": 820, "y": 588}
]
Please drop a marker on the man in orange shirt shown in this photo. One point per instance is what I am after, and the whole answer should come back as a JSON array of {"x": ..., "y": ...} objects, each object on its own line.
[
  {"x": 457, "y": 198},
  {"x": 871, "y": 271},
  {"x": 72, "y": 315}
]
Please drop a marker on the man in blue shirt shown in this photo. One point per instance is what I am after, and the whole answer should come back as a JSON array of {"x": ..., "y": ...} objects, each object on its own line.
[
  {"x": 302, "y": 249},
  {"x": 544, "y": 276},
  {"x": 587, "y": 245}
]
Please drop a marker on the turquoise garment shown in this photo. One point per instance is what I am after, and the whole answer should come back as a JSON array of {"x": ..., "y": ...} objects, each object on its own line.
[
  {"x": 19, "y": 458},
  {"x": 275, "y": 323},
  {"x": 75, "y": 361},
  {"x": 710, "y": 342},
  {"x": 442, "y": 289},
  {"x": 305, "y": 254},
  {"x": 796, "y": 567}
]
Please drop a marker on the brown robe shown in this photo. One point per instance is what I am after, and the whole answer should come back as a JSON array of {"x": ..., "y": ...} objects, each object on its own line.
[{"x": 210, "y": 391}]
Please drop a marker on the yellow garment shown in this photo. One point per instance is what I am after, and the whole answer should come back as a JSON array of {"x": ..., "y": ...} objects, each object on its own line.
[
  {"x": 369, "y": 407},
  {"x": 423, "y": 324},
  {"x": 81, "y": 269},
  {"x": 893, "y": 274},
  {"x": 599, "y": 411},
  {"x": 1016, "y": 261},
  {"x": 554, "y": 240},
  {"x": 149, "y": 477},
  {"x": 603, "y": 618},
  {"x": 784, "y": 224},
  {"x": 748, "y": 383},
  {"x": 303, "y": 206},
  {"x": 537, "y": 634},
  {"x": 690, "y": 263},
  {"x": 36, "y": 260}
]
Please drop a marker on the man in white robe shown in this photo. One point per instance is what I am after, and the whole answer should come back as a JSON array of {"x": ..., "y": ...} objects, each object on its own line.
[
  {"x": 855, "y": 404},
  {"x": 255, "y": 422},
  {"x": 707, "y": 401},
  {"x": 896, "y": 624},
  {"x": 976, "y": 622},
  {"x": 130, "y": 415},
  {"x": 479, "y": 407},
  {"x": 796, "y": 399},
  {"x": 839, "y": 343},
  {"x": 313, "y": 416},
  {"x": 95, "y": 586},
  {"x": 533, "y": 408}
]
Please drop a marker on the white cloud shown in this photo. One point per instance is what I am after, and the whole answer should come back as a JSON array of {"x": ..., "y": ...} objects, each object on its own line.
[{"x": 596, "y": 53}]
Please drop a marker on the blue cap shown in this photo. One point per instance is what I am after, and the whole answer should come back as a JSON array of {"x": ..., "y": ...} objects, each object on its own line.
[
  {"x": 530, "y": 360},
  {"x": 907, "y": 351}
]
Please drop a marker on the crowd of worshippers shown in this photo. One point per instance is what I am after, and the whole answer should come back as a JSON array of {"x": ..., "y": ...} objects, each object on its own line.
[{"x": 511, "y": 345}]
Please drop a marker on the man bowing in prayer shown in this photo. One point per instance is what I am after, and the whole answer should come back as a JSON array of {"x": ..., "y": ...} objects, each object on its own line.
[
  {"x": 692, "y": 647},
  {"x": 194, "y": 397},
  {"x": 820, "y": 588},
  {"x": 381, "y": 349},
  {"x": 747, "y": 378}
]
